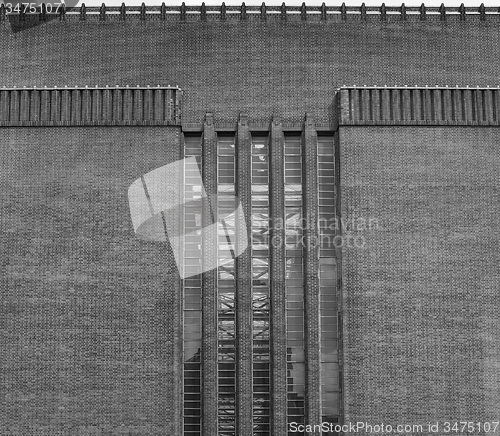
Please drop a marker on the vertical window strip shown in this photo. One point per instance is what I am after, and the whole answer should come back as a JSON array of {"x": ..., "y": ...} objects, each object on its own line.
[
  {"x": 294, "y": 280},
  {"x": 226, "y": 288},
  {"x": 192, "y": 301},
  {"x": 330, "y": 390},
  {"x": 260, "y": 285}
]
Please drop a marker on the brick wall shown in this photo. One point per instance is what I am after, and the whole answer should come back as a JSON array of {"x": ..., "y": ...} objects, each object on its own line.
[
  {"x": 260, "y": 67},
  {"x": 263, "y": 68},
  {"x": 87, "y": 327},
  {"x": 421, "y": 298}
]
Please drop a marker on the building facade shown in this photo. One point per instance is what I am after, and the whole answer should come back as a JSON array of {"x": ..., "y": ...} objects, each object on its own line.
[{"x": 369, "y": 290}]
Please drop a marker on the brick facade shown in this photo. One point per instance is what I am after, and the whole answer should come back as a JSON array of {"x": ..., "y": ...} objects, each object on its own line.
[
  {"x": 82, "y": 301},
  {"x": 419, "y": 325},
  {"x": 417, "y": 318}
]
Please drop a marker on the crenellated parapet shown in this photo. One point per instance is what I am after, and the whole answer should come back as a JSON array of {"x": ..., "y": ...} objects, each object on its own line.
[
  {"x": 86, "y": 106},
  {"x": 264, "y": 12}
]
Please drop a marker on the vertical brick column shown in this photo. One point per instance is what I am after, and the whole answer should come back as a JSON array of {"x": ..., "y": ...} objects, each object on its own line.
[
  {"x": 376, "y": 104},
  {"x": 107, "y": 104},
  {"x": 311, "y": 267},
  {"x": 86, "y": 106},
  {"x": 365, "y": 104},
  {"x": 488, "y": 102},
  {"x": 24, "y": 112},
  {"x": 44, "y": 105},
  {"x": 338, "y": 255},
  {"x": 243, "y": 189},
  {"x": 344, "y": 106},
  {"x": 277, "y": 280},
  {"x": 209, "y": 282},
  {"x": 406, "y": 102},
  {"x": 385, "y": 106},
  {"x": 4, "y": 105}
]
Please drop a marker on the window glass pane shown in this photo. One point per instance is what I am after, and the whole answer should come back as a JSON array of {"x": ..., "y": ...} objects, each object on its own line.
[
  {"x": 226, "y": 285},
  {"x": 259, "y": 145},
  {"x": 260, "y": 275},
  {"x": 225, "y": 146},
  {"x": 294, "y": 277},
  {"x": 328, "y": 276}
]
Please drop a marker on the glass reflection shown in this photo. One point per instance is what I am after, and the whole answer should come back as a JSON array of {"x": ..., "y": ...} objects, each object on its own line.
[
  {"x": 330, "y": 389},
  {"x": 294, "y": 279},
  {"x": 260, "y": 283},
  {"x": 192, "y": 302},
  {"x": 226, "y": 289}
]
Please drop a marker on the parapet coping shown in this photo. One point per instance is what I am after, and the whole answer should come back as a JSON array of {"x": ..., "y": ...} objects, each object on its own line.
[
  {"x": 89, "y": 88},
  {"x": 243, "y": 12},
  {"x": 439, "y": 87}
]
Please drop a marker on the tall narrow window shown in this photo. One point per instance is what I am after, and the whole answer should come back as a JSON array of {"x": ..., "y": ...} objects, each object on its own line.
[
  {"x": 294, "y": 279},
  {"x": 226, "y": 287},
  {"x": 192, "y": 298},
  {"x": 330, "y": 389},
  {"x": 260, "y": 284}
]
